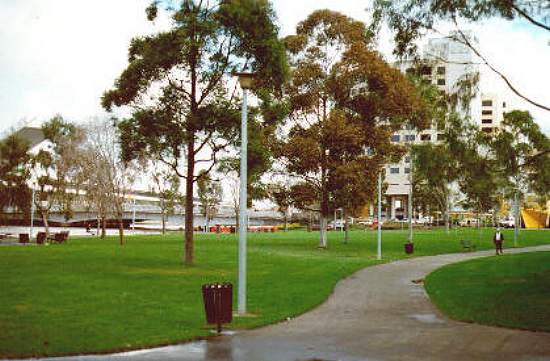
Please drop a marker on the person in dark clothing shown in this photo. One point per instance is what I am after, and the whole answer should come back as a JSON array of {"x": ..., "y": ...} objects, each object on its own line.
[{"x": 498, "y": 239}]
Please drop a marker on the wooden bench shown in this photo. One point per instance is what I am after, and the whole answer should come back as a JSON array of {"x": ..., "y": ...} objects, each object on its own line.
[
  {"x": 60, "y": 237},
  {"x": 467, "y": 245}
]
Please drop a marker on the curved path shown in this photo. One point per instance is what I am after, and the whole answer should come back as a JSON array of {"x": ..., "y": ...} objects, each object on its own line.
[{"x": 377, "y": 313}]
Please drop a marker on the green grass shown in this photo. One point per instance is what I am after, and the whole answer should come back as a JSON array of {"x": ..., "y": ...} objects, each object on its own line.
[
  {"x": 93, "y": 295},
  {"x": 509, "y": 291}
]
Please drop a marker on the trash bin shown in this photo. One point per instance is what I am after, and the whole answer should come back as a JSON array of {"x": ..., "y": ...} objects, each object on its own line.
[
  {"x": 409, "y": 248},
  {"x": 218, "y": 303},
  {"x": 23, "y": 238},
  {"x": 40, "y": 237}
]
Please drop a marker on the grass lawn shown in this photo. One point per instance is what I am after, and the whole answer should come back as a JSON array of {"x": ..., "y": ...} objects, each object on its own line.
[
  {"x": 93, "y": 295},
  {"x": 509, "y": 291}
]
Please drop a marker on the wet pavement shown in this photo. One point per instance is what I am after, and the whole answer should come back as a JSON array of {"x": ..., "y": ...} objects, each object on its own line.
[{"x": 378, "y": 313}]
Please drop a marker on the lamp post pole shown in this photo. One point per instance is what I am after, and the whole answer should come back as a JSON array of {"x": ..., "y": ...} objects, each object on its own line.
[
  {"x": 134, "y": 215},
  {"x": 32, "y": 213},
  {"x": 245, "y": 80},
  {"x": 379, "y": 253}
]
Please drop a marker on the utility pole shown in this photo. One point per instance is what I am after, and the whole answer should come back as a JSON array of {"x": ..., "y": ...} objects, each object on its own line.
[{"x": 379, "y": 252}]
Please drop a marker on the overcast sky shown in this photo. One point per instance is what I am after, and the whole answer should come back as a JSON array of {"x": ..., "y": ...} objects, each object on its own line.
[{"x": 59, "y": 56}]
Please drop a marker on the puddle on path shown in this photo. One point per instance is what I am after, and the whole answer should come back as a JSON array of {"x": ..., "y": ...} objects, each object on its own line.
[{"x": 426, "y": 318}]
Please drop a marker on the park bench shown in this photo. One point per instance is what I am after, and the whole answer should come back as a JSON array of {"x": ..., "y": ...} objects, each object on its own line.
[
  {"x": 467, "y": 245},
  {"x": 59, "y": 237}
]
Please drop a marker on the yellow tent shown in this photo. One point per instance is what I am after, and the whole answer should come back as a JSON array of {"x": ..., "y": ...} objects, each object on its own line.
[{"x": 534, "y": 218}]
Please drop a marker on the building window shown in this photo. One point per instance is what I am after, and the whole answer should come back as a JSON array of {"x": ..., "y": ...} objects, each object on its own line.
[
  {"x": 407, "y": 159},
  {"x": 487, "y": 130},
  {"x": 441, "y": 81},
  {"x": 407, "y": 170},
  {"x": 426, "y": 70},
  {"x": 425, "y": 137},
  {"x": 410, "y": 138},
  {"x": 440, "y": 136},
  {"x": 504, "y": 104},
  {"x": 409, "y": 126},
  {"x": 394, "y": 170},
  {"x": 486, "y": 112},
  {"x": 395, "y": 138},
  {"x": 487, "y": 103},
  {"x": 486, "y": 121},
  {"x": 440, "y": 70}
]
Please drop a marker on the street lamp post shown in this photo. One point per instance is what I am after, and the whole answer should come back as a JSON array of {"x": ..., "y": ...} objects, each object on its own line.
[
  {"x": 133, "y": 215},
  {"x": 246, "y": 81},
  {"x": 31, "y": 231},
  {"x": 379, "y": 253}
]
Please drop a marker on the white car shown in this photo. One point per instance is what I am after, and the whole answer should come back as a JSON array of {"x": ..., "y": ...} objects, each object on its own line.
[
  {"x": 468, "y": 222},
  {"x": 506, "y": 223}
]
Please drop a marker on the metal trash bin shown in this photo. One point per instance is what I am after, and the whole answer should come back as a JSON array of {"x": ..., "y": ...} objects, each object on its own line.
[
  {"x": 40, "y": 237},
  {"x": 218, "y": 303},
  {"x": 409, "y": 248},
  {"x": 23, "y": 238}
]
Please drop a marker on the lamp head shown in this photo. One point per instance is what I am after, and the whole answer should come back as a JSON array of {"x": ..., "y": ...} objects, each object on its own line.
[{"x": 246, "y": 80}]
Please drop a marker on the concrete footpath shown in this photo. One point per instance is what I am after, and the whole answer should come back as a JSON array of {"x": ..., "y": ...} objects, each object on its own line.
[{"x": 377, "y": 313}]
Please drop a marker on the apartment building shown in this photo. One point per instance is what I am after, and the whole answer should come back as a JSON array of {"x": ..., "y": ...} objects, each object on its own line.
[
  {"x": 448, "y": 62},
  {"x": 492, "y": 112}
]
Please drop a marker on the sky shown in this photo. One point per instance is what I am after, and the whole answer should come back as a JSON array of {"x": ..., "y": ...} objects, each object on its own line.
[{"x": 59, "y": 56}]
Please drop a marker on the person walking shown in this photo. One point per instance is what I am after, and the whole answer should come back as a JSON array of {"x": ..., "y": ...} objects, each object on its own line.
[{"x": 498, "y": 239}]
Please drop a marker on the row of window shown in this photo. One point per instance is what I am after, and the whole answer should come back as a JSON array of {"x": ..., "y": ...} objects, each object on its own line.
[
  {"x": 396, "y": 170},
  {"x": 489, "y": 103},
  {"x": 411, "y": 137}
]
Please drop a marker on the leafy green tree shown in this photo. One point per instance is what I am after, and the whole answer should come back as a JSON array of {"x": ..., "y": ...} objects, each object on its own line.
[
  {"x": 14, "y": 174},
  {"x": 178, "y": 84},
  {"x": 281, "y": 195},
  {"x": 520, "y": 152},
  {"x": 166, "y": 186},
  {"x": 210, "y": 196},
  {"x": 56, "y": 168},
  {"x": 411, "y": 19},
  {"x": 344, "y": 103}
]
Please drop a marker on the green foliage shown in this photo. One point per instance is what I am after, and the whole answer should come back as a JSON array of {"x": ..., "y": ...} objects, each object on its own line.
[
  {"x": 177, "y": 83},
  {"x": 210, "y": 195},
  {"x": 344, "y": 101},
  {"x": 56, "y": 167},
  {"x": 410, "y": 19},
  {"x": 14, "y": 173}
]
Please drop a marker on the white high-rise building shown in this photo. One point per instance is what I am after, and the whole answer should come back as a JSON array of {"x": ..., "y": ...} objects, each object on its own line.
[
  {"x": 447, "y": 64},
  {"x": 492, "y": 112}
]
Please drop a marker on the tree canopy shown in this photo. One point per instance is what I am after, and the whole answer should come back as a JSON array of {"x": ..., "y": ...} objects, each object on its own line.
[{"x": 179, "y": 84}]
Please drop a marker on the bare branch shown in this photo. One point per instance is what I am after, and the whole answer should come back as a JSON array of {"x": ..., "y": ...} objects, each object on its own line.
[
  {"x": 465, "y": 41},
  {"x": 529, "y": 18}
]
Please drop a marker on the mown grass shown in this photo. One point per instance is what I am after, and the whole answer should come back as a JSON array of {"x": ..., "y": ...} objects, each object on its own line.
[
  {"x": 93, "y": 295},
  {"x": 509, "y": 291}
]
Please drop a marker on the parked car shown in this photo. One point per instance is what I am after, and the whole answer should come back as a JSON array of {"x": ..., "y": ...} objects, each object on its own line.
[
  {"x": 468, "y": 222},
  {"x": 507, "y": 223}
]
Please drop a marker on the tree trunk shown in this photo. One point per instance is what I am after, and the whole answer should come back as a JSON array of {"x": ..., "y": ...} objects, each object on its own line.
[
  {"x": 207, "y": 216},
  {"x": 103, "y": 226},
  {"x": 447, "y": 214},
  {"x": 189, "y": 246},
  {"x": 120, "y": 229},
  {"x": 97, "y": 225},
  {"x": 346, "y": 227},
  {"x": 322, "y": 231},
  {"x": 45, "y": 221},
  {"x": 163, "y": 220},
  {"x": 286, "y": 221}
]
